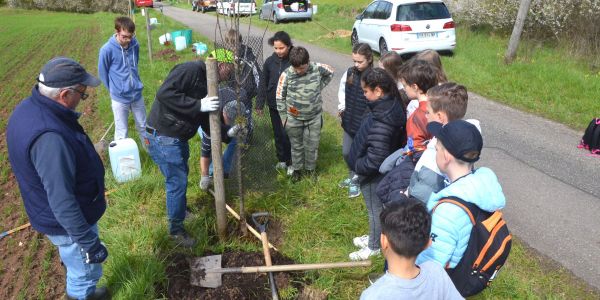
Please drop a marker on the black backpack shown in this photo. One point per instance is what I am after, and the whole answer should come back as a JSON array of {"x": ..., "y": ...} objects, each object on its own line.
[
  {"x": 487, "y": 251},
  {"x": 591, "y": 137}
]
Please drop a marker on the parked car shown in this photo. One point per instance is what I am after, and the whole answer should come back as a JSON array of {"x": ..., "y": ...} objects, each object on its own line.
[
  {"x": 144, "y": 3},
  {"x": 405, "y": 26},
  {"x": 204, "y": 5},
  {"x": 279, "y": 10},
  {"x": 239, "y": 7}
]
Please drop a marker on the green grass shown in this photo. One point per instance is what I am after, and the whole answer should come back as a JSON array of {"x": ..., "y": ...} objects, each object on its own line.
[{"x": 317, "y": 217}]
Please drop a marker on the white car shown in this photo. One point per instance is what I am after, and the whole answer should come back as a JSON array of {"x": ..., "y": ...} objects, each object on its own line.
[
  {"x": 405, "y": 26},
  {"x": 286, "y": 10},
  {"x": 236, "y": 7}
]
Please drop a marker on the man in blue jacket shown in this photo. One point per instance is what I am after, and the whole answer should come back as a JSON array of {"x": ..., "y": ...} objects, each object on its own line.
[
  {"x": 118, "y": 70},
  {"x": 60, "y": 175}
]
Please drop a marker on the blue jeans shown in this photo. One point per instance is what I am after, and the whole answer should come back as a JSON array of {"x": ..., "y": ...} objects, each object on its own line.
[
  {"x": 81, "y": 277},
  {"x": 228, "y": 155},
  {"x": 171, "y": 155}
]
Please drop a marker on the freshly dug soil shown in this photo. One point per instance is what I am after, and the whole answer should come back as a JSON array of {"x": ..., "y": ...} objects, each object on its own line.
[{"x": 235, "y": 286}]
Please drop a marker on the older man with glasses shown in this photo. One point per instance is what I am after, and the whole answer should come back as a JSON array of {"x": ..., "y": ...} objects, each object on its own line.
[
  {"x": 118, "y": 70},
  {"x": 60, "y": 175}
]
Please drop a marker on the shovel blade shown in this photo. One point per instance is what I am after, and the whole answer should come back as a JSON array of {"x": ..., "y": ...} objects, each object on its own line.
[{"x": 199, "y": 276}]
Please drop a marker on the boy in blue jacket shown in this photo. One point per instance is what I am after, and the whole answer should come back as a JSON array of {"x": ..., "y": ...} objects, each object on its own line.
[
  {"x": 118, "y": 70},
  {"x": 458, "y": 147}
]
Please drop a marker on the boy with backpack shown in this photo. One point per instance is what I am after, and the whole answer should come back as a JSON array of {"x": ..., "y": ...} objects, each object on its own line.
[
  {"x": 404, "y": 234},
  {"x": 465, "y": 214}
]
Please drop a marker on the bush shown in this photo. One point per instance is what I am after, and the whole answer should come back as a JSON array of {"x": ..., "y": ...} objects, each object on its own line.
[
  {"x": 576, "y": 21},
  {"x": 80, "y": 6}
]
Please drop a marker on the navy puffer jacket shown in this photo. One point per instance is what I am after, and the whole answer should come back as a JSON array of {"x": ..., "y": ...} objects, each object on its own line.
[
  {"x": 381, "y": 133},
  {"x": 356, "y": 103}
]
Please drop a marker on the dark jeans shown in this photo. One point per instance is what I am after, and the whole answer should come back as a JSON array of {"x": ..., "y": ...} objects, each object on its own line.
[
  {"x": 374, "y": 208},
  {"x": 171, "y": 155},
  {"x": 282, "y": 142}
]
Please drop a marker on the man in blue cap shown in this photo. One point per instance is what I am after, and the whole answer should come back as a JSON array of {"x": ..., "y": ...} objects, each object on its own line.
[{"x": 60, "y": 175}]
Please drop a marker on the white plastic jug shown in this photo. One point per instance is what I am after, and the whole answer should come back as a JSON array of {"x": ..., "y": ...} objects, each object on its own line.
[
  {"x": 163, "y": 39},
  {"x": 180, "y": 43},
  {"x": 124, "y": 160},
  {"x": 153, "y": 21}
]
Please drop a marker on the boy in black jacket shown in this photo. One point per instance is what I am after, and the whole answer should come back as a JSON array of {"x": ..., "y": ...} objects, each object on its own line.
[{"x": 179, "y": 108}]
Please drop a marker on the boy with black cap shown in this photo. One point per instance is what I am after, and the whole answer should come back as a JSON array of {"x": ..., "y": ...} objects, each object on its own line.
[{"x": 458, "y": 148}]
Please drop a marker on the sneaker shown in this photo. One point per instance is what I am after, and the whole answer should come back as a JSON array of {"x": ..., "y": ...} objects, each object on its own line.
[
  {"x": 282, "y": 165},
  {"x": 364, "y": 254},
  {"x": 205, "y": 182},
  {"x": 353, "y": 190},
  {"x": 290, "y": 171},
  {"x": 361, "y": 241},
  {"x": 100, "y": 293},
  {"x": 374, "y": 277},
  {"x": 183, "y": 239},
  {"x": 345, "y": 183}
]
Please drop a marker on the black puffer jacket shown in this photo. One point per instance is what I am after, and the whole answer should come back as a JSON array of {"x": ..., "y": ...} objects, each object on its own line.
[
  {"x": 380, "y": 134},
  {"x": 176, "y": 108},
  {"x": 356, "y": 103},
  {"x": 272, "y": 69}
]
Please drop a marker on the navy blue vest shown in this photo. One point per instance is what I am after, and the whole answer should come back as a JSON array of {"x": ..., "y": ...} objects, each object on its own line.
[
  {"x": 32, "y": 117},
  {"x": 356, "y": 104}
]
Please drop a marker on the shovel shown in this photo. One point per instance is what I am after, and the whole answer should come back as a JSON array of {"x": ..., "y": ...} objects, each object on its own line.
[
  {"x": 101, "y": 145},
  {"x": 262, "y": 227},
  {"x": 6, "y": 233},
  {"x": 207, "y": 272}
]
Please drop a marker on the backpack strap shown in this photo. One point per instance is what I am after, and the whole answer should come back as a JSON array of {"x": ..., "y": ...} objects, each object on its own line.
[{"x": 468, "y": 207}]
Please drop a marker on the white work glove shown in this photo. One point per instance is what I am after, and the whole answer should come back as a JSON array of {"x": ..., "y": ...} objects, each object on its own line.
[
  {"x": 209, "y": 104},
  {"x": 233, "y": 131}
]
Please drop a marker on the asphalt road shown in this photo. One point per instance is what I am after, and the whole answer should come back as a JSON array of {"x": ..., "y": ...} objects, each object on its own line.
[{"x": 552, "y": 188}]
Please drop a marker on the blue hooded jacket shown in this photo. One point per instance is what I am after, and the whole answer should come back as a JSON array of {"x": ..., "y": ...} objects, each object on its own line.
[
  {"x": 118, "y": 70},
  {"x": 450, "y": 224}
]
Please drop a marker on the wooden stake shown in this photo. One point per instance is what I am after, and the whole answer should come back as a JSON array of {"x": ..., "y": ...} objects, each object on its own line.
[
  {"x": 513, "y": 44},
  {"x": 147, "y": 13}
]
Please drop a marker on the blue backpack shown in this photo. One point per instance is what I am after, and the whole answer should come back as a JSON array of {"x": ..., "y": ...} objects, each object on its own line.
[{"x": 591, "y": 137}]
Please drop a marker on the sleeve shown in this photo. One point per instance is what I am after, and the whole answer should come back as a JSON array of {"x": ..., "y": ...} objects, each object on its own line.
[
  {"x": 261, "y": 98},
  {"x": 280, "y": 95},
  {"x": 342, "y": 93},
  {"x": 424, "y": 182},
  {"x": 55, "y": 164},
  {"x": 326, "y": 74},
  {"x": 444, "y": 234},
  {"x": 173, "y": 93},
  {"x": 136, "y": 50},
  {"x": 103, "y": 67}
]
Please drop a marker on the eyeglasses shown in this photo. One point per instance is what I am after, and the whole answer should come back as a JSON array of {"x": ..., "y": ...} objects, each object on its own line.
[
  {"x": 82, "y": 94},
  {"x": 126, "y": 37}
]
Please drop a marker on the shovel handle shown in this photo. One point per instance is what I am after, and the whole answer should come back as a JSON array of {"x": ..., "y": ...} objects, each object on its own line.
[
  {"x": 3, "y": 234},
  {"x": 252, "y": 230},
  {"x": 265, "y": 246},
  {"x": 285, "y": 268}
]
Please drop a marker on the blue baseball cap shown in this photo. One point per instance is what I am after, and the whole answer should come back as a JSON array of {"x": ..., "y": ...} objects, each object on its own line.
[
  {"x": 62, "y": 72},
  {"x": 461, "y": 138}
]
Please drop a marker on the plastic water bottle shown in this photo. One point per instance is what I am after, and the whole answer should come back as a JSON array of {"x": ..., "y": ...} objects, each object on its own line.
[{"x": 124, "y": 160}]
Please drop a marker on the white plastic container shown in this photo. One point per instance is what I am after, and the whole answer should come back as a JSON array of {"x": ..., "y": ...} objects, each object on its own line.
[
  {"x": 153, "y": 21},
  {"x": 180, "y": 43},
  {"x": 124, "y": 160},
  {"x": 315, "y": 9},
  {"x": 163, "y": 39}
]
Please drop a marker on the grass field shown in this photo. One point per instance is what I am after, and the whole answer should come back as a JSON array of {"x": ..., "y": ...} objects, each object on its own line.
[{"x": 317, "y": 218}]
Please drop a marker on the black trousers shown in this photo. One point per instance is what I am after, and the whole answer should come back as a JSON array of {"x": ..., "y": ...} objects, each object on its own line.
[{"x": 283, "y": 148}]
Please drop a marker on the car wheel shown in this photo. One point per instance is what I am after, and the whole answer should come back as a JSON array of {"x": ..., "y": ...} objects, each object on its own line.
[
  {"x": 383, "y": 49},
  {"x": 275, "y": 19},
  {"x": 354, "y": 38}
]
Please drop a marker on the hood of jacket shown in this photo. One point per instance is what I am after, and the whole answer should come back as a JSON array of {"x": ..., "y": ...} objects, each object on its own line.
[{"x": 487, "y": 196}]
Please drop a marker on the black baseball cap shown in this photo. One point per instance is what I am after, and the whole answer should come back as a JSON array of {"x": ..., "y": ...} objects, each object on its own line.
[
  {"x": 459, "y": 138},
  {"x": 62, "y": 72}
]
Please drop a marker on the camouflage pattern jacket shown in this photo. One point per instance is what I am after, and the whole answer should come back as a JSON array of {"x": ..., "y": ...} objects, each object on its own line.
[{"x": 299, "y": 96}]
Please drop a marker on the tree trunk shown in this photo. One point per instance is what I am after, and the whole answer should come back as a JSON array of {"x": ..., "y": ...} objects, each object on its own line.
[{"x": 513, "y": 44}]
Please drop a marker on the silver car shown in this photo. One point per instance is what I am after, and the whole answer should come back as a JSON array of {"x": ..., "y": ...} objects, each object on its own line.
[{"x": 280, "y": 10}]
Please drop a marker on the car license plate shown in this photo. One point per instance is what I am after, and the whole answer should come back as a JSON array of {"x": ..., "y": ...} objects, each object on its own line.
[{"x": 426, "y": 35}]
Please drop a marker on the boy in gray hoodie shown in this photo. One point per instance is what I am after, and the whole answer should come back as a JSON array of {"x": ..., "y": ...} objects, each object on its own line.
[{"x": 118, "y": 70}]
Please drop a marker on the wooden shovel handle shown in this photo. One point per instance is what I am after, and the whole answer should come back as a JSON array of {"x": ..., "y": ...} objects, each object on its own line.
[
  {"x": 285, "y": 268},
  {"x": 265, "y": 245}
]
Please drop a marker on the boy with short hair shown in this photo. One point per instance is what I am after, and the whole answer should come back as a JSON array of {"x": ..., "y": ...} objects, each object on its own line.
[
  {"x": 458, "y": 147},
  {"x": 405, "y": 230},
  {"x": 118, "y": 70},
  {"x": 300, "y": 106},
  {"x": 446, "y": 102}
]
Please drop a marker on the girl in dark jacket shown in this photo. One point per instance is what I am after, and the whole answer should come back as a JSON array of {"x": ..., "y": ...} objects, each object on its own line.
[
  {"x": 272, "y": 69},
  {"x": 352, "y": 106},
  {"x": 381, "y": 133}
]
